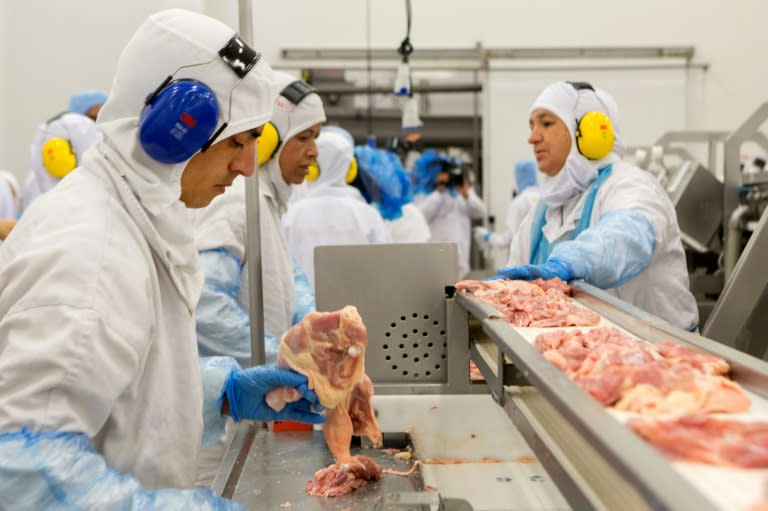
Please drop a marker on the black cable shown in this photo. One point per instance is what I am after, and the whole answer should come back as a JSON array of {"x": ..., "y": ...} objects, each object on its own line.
[{"x": 406, "y": 48}]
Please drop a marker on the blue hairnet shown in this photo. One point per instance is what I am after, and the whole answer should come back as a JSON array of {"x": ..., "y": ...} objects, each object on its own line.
[
  {"x": 82, "y": 101},
  {"x": 386, "y": 181},
  {"x": 525, "y": 174},
  {"x": 426, "y": 169}
]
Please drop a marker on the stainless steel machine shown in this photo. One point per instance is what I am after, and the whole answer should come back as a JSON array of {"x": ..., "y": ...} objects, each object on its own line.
[{"x": 525, "y": 439}]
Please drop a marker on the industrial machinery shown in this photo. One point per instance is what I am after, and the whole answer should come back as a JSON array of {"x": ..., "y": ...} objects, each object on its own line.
[{"x": 527, "y": 438}]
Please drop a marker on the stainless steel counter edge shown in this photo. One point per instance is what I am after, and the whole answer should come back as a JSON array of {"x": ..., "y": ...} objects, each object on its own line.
[{"x": 639, "y": 463}]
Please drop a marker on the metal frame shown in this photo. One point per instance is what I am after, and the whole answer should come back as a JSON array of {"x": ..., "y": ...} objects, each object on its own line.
[
  {"x": 638, "y": 464},
  {"x": 732, "y": 171}
]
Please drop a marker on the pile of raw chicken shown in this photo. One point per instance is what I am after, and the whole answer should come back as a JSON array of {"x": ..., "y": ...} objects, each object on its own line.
[{"x": 669, "y": 390}]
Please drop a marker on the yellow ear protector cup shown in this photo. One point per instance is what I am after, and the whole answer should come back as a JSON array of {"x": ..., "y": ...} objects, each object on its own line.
[
  {"x": 58, "y": 157},
  {"x": 352, "y": 171},
  {"x": 314, "y": 172},
  {"x": 594, "y": 135},
  {"x": 594, "y": 130},
  {"x": 268, "y": 142}
]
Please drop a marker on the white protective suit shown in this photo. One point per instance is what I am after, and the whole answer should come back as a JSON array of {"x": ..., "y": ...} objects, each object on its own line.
[
  {"x": 223, "y": 320},
  {"x": 328, "y": 212},
  {"x": 450, "y": 217},
  {"x": 412, "y": 227},
  {"x": 517, "y": 210},
  {"x": 10, "y": 195},
  {"x": 81, "y": 133},
  {"x": 98, "y": 287},
  {"x": 633, "y": 225}
]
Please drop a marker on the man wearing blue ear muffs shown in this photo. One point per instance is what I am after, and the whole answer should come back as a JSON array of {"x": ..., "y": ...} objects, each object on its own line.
[
  {"x": 600, "y": 219},
  {"x": 104, "y": 401}
]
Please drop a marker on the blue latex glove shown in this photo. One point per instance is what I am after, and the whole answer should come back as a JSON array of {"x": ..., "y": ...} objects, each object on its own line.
[
  {"x": 552, "y": 268},
  {"x": 246, "y": 390}
]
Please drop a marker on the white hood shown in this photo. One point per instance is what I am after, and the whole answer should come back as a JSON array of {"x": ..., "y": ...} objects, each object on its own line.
[
  {"x": 563, "y": 100},
  {"x": 78, "y": 129},
  {"x": 334, "y": 155},
  {"x": 290, "y": 120},
  {"x": 163, "y": 43}
]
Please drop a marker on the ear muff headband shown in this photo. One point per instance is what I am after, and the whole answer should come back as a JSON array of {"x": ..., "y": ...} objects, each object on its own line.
[
  {"x": 594, "y": 130},
  {"x": 314, "y": 172},
  {"x": 179, "y": 117},
  {"x": 58, "y": 157},
  {"x": 295, "y": 92}
]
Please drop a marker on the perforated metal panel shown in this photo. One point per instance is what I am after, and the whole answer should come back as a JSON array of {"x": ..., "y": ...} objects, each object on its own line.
[{"x": 399, "y": 290}]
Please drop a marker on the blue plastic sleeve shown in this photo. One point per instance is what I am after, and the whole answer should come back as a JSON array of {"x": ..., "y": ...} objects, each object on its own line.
[
  {"x": 61, "y": 471},
  {"x": 214, "y": 372},
  {"x": 611, "y": 252}
]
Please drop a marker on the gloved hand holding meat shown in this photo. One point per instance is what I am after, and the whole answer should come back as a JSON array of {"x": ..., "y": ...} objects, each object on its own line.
[{"x": 329, "y": 349}]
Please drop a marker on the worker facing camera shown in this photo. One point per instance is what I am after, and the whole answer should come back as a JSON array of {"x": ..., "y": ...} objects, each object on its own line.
[
  {"x": 599, "y": 218},
  {"x": 452, "y": 177}
]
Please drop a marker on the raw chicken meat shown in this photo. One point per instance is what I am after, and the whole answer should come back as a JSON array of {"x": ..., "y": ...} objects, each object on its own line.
[
  {"x": 634, "y": 375},
  {"x": 329, "y": 349},
  {"x": 538, "y": 303},
  {"x": 703, "y": 439}
]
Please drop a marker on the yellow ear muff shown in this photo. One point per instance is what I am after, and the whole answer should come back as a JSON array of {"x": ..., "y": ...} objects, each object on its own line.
[
  {"x": 594, "y": 135},
  {"x": 267, "y": 143},
  {"x": 314, "y": 172},
  {"x": 352, "y": 171},
  {"x": 58, "y": 157}
]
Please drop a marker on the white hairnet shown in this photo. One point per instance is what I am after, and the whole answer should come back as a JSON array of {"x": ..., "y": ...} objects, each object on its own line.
[
  {"x": 563, "y": 100},
  {"x": 569, "y": 105},
  {"x": 335, "y": 153},
  {"x": 166, "y": 41},
  {"x": 290, "y": 119}
]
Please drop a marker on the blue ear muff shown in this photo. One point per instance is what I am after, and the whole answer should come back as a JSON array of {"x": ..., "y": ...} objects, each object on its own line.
[{"x": 178, "y": 120}]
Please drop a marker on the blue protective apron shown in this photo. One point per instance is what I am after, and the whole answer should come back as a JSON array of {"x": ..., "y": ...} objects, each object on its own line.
[{"x": 540, "y": 245}]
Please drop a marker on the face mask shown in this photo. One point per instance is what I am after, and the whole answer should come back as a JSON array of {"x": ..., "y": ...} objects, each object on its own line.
[
  {"x": 283, "y": 189},
  {"x": 574, "y": 178}
]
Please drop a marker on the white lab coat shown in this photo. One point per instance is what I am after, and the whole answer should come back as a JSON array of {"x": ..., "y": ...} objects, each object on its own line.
[
  {"x": 329, "y": 211},
  {"x": 222, "y": 225},
  {"x": 100, "y": 278},
  {"x": 94, "y": 334},
  {"x": 661, "y": 289},
  {"x": 412, "y": 227},
  {"x": 450, "y": 219},
  {"x": 330, "y": 219},
  {"x": 516, "y": 212}
]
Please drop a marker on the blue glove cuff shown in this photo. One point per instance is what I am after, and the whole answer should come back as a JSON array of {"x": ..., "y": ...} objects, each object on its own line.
[
  {"x": 230, "y": 391},
  {"x": 487, "y": 236},
  {"x": 562, "y": 269}
]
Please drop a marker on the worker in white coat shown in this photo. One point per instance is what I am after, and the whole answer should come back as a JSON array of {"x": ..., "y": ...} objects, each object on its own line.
[
  {"x": 387, "y": 185},
  {"x": 450, "y": 208},
  {"x": 600, "y": 218},
  {"x": 286, "y": 151},
  {"x": 526, "y": 197},
  {"x": 56, "y": 150},
  {"x": 103, "y": 398},
  {"x": 328, "y": 212}
]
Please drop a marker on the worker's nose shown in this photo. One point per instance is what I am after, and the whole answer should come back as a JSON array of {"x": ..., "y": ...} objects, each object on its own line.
[{"x": 245, "y": 162}]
